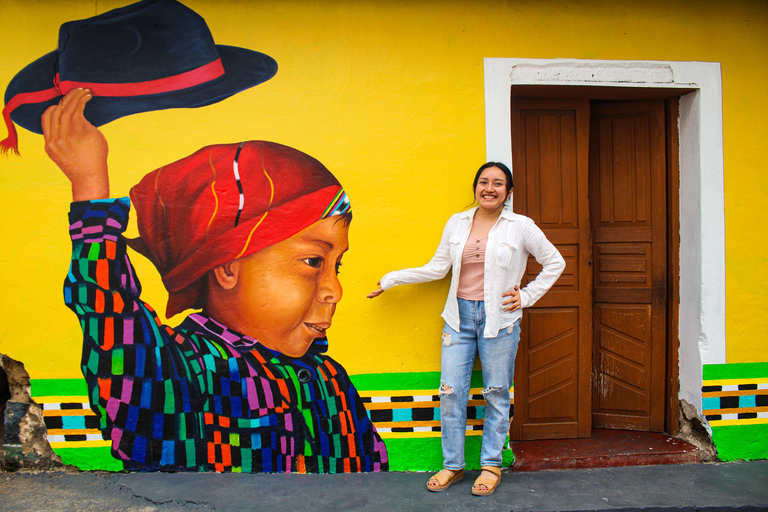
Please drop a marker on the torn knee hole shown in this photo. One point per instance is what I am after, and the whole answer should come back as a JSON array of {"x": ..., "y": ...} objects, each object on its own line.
[
  {"x": 491, "y": 389},
  {"x": 446, "y": 338},
  {"x": 445, "y": 389}
]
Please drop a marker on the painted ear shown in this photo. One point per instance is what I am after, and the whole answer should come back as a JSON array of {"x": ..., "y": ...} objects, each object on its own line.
[{"x": 227, "y": 275}]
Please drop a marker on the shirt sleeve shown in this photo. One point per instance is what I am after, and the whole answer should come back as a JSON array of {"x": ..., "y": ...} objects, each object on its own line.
[
  {"x": 137, "y": 377},
  {"x": 437, "y": 268},
  {"x": 549, "y": 258}
]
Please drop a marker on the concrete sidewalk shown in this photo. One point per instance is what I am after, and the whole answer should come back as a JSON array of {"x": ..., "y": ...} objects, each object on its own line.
[{"x": 739, "y": 486}]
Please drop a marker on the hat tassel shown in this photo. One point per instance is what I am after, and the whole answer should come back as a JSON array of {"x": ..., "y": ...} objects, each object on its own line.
[{"x": 10, "y": 143}]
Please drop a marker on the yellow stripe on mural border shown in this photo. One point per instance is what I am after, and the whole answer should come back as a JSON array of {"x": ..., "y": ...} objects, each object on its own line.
[
  {"x": 409, "y": 424},
  {"x": 413, "y": 435},
  {"x": 414, "y": 392},
  {"x": 745, "y": 421},
  {"x": 375, "y": 406},
  {"x": 73, "y": 431},
  {"x": 61, "y": 399},
  {"x": 398, "y": 392},
  {"x": 405, "y": 424},
  {"x": 733, "y": 382},
  {"x": 80, "y": 444},
  {"x": 378, "y": 406}
]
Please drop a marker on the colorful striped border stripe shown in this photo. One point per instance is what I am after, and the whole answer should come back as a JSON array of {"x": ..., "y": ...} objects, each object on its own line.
[{"x": 735, "y": 401}]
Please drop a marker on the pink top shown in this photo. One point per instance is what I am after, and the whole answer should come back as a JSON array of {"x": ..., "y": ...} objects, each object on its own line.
[{"x": 472, "y": 269}]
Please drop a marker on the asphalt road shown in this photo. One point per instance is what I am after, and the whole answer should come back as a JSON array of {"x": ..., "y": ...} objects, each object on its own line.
[{"x": 741, "y": 486}]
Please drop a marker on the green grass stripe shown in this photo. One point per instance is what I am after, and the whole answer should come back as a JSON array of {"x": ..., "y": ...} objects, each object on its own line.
[
  {"x": 422, "y": 454},
  {"x": 363, "y": 382},
  {"x": 405, "y": 381},
  {"x": 425, "y": 454},
  {"x": 736, "y": 371},
  {"x": 90, "y": 459},
  {"x": 58, "y": 387},
  {"x": 741, "y": 442}
]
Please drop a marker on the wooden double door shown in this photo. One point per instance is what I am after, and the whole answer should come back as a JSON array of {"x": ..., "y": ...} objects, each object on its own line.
[{"x": 593, "y": 176}]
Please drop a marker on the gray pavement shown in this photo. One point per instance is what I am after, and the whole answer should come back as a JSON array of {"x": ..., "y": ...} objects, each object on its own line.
[{"x": 740, "y": 486}]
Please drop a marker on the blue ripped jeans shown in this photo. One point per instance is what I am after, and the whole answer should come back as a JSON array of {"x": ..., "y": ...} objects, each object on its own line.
[{"x": 497, "y": 357}]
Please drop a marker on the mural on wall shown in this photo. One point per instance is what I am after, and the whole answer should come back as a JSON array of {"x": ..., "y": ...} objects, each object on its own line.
[
  {"x": 251, "y": 234},
  {"x": 383, "y": 98}
]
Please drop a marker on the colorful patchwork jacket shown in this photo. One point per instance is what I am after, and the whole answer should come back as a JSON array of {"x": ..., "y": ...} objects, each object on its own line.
[{"x": 200, "y": 396}]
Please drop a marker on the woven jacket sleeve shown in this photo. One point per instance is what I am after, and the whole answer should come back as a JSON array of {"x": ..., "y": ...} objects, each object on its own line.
[{"x": 138, "y": 379}]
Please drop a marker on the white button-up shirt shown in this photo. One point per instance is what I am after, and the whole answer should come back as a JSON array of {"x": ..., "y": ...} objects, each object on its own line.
[{"x": 510, "y": 241}]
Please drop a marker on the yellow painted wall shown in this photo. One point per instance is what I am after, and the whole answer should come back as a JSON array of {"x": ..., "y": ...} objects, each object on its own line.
[{"x": 389, "y": 96}]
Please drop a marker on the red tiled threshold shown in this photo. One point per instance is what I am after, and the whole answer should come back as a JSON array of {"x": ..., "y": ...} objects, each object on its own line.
[{"x": 605, "y": 449}]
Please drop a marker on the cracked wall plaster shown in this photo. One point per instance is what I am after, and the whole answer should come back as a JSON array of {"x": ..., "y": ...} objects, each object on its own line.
[{"x": 24, "y": 436}]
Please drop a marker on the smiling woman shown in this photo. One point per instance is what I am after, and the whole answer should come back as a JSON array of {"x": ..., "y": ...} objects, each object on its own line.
[
  {"x": 252, "y": 233},
  {"x": 487, "y": 249}
]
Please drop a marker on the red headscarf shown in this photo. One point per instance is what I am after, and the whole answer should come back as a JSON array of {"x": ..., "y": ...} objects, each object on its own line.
[{"x": 225, "y": 202}]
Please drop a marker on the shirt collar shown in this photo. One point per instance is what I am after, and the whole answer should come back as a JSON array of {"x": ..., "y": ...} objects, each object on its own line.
[{"x": 506, "y": 213}]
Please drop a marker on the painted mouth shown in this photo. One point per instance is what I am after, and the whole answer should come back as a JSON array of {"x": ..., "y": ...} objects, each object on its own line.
[{"x": 318, "y": 328}]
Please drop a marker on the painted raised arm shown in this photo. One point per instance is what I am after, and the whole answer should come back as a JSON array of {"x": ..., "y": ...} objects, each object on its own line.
[{"x": 77, "y": 147}]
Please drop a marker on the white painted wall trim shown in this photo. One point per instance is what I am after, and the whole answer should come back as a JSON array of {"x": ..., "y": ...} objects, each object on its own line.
[{"x": 702, "y": 217}]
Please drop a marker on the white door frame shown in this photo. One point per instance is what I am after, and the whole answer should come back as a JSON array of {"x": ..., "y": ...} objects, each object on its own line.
[{"x": 702, "y": 217}]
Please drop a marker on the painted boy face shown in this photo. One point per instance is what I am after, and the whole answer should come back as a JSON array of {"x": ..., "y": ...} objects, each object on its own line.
[{"x": 287, "y": 293}]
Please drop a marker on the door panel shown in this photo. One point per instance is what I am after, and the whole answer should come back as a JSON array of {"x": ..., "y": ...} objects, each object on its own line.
[
  {"x": 593, "y": 349},
  {"x": 628, "y": 212},
  {"x": 550, "y": 168},
  {"x": 552, "y": 406}
]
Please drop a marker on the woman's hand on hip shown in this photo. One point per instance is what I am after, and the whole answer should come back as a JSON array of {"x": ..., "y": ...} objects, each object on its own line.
[
  {"x": 513, "y": 303},
  {"x": 376, "y": 293}
]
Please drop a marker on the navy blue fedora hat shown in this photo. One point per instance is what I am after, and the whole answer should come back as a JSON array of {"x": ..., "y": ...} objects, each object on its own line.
[{"x": 151, "y": 55}]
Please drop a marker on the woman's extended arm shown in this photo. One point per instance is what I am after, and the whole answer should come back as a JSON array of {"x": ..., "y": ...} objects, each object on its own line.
[{"x": 437, "y": 268}]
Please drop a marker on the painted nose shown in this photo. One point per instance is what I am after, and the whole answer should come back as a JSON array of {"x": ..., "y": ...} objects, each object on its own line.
[{"x": 329, "y": 290}]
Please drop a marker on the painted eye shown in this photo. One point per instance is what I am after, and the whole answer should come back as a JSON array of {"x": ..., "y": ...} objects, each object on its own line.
[
  {"x": 338, "y": 268},
  {"x": 315, "y": 262}
]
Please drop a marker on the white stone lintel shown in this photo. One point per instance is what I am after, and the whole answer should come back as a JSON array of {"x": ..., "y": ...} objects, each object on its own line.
[{"x": 594, "y": 73}]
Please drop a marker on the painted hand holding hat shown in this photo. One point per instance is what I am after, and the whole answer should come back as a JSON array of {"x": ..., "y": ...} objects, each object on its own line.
[{"x": 151, "y": 55}]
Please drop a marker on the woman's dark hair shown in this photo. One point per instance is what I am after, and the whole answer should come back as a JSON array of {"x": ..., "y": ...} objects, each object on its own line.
[{"x": 500, "y": 166}]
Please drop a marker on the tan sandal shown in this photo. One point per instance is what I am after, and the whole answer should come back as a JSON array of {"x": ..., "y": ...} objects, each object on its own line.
[
  {"x": 489, "y": 483},
  {"x": 444, "y": 479}
]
